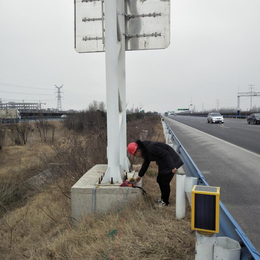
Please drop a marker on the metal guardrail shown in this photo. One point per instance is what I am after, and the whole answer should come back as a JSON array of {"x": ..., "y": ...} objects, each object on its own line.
[
  {"x": 235, "y": 116},
  {"x": 205, "y": 115},
  {"x": 228, "y": 226}
]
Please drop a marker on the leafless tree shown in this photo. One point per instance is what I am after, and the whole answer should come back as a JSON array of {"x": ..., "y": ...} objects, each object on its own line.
[
  {"x": 43, "y": 126},
  {"x": 19, "y": 132},
  {"x": 2, "y": 137}
]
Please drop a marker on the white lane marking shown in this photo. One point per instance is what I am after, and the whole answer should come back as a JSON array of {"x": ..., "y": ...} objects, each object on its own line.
[
  {"x": 205, "y": 172},
  {"x": 243, "y": 149}
]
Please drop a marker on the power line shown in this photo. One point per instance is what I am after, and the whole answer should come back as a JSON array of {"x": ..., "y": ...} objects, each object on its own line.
[
  {"x": 27, "y": 100},
  {"x": 24, "y": 93},
  {"x": 20, "y": 86}
]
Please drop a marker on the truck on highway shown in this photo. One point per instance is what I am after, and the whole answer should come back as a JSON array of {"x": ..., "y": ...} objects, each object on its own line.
[{"x": 9, "y": 115}]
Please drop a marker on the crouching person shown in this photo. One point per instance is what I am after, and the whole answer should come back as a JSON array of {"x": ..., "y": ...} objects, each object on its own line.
[{"x": 166, "y": 158}]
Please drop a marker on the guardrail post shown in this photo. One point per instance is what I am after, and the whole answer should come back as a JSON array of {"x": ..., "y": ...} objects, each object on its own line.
[
  {"x": 189, "y": 184},
  {"x": 204, "y": 246},
  {"x": 180, "y": 195}
]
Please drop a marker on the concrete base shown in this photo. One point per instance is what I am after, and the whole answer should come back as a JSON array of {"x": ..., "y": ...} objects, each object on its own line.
[{"x": 88, "y": 197}]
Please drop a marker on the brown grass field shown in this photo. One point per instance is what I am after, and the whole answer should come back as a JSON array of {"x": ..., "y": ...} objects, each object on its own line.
[{"x": 35, "y": 222}]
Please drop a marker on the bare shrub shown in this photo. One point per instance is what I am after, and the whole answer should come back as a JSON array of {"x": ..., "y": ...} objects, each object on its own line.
[
  {"x": 2, "y": 136},
  {"x": 53, "y": 128},
  {"x": 95, "y": 105},
  {"x": 10, "y": 196},
  {"x": 12, "y": 224},
  {"x": 44, "y": 128},
  {"x": 73, "y": 158},
  {"x": 19, "y": 132},
  {"x": 8, "y": 191},
  {"x": 86, "y": 121}
]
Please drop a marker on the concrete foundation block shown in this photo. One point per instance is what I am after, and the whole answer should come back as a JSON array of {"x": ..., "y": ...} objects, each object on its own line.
[{"x": 89, "y": 197}]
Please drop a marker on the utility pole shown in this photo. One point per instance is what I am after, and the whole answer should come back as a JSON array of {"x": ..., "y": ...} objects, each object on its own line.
[
  {"x": 191, "y": 105},
  {"x": 59, "y": 97},
  {"x": 217, "y": 104},
  {"x": 251, "y": 96}
]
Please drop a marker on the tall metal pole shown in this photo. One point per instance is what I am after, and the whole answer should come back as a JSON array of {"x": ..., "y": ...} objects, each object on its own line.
[
  {"x": 238, "y": 102},
  {"x": 251, "y": 96},
  {"x": 124, "y": 162},
  {"x": 112, "y": 92}
]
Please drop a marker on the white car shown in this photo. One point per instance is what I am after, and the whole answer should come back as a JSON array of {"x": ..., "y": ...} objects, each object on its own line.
[{"x": 215, "y": 118}]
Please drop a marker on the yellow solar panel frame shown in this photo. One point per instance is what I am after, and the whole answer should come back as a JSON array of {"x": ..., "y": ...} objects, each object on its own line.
[{"x": 207, "y": 191}]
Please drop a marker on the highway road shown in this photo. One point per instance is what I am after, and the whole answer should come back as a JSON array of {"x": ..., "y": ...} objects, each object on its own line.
[
  {"x": 235, "y": 131},
  {"x": 228, "y": 155}
]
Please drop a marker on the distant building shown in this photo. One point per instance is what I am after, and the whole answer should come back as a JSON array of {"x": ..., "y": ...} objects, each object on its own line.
[{"x": 21, "y": 106}]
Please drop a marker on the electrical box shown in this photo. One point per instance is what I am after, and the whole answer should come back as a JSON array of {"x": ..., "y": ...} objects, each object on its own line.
[{"x": 205, "y": 209}]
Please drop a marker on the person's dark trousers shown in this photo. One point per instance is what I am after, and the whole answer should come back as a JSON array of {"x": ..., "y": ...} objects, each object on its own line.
[{"x": 164, "y": 184}]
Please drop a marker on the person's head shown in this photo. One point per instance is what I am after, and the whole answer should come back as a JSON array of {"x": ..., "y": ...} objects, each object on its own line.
[{"x": 133, "y": 149}]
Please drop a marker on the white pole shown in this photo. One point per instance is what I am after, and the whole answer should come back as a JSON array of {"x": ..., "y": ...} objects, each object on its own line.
[
  {"x": 180, "y": 196},
  {"x": 189, "y": 184},
  {"x": 204, "y": 246},
  {"x": 124, "y": 162},
  {"x": 112, "y": 89},
  {"x": 238, "y": 102}
]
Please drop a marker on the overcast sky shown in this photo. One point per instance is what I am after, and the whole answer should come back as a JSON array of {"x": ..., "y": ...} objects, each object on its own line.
[{"x": 213, "y": 55}]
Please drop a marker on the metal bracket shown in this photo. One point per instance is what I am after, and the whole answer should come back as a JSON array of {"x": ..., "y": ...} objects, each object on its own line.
[
  {"x": 86, "y": 38},
  {"x": 128, "y": 36},
  {"x": 85, "y": 19},
  {"x": 142, "y": 15},
  {"x": 91, "y": 1},
  {"x": 124, "y": 14},
  {"x": 131, "y": 16}
]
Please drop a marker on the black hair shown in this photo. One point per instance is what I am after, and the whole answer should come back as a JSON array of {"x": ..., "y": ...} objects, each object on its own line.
[{"x": 141, "y": 146}]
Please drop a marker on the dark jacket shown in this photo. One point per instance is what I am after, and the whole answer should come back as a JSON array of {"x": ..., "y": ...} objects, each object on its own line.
[{"x": 164, "y": 155}]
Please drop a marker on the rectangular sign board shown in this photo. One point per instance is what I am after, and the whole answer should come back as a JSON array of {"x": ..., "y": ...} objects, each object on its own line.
[
  {"x": 147, "y": 25},
  {"x": 89, "y": 26}
]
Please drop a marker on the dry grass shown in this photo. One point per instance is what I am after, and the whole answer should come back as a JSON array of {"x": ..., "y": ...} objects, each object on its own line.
[
  {"x": 41, "y": 228},
  {"x": 26, "y": 157}
]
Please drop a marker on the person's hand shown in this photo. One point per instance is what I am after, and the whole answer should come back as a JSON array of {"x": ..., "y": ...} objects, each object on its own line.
[
  {"x": 174, "y": 170},
  {"x": 138, "y": 178}
]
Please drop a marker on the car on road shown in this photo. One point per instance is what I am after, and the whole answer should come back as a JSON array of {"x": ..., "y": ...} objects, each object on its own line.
[
  {"x": 254, "y": 118},
  {"x": 215, "y": 118}
]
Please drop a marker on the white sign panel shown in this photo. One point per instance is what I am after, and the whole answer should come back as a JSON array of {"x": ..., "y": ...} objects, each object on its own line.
[
  {"x": 147, "y": 25},
  {"x": 89, "y": 26}
]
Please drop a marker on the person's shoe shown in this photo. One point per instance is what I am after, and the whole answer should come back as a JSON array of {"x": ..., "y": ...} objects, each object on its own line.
[
  {"x": 158, "y": 201},
  {"x": 162, "y": 204}
]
